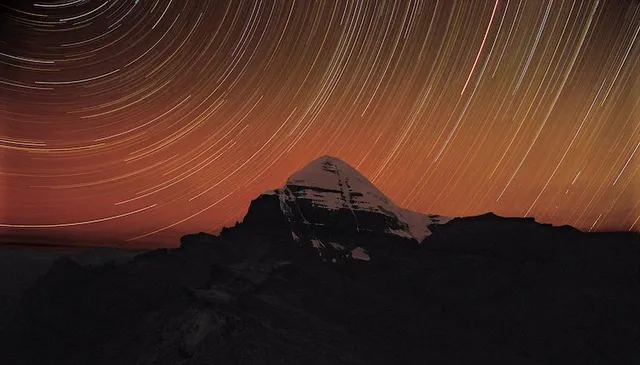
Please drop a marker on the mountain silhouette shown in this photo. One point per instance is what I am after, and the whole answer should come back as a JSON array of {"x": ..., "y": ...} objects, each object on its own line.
[
  {"x": 331, "y": 206},
  {"x": 327, "y": 270}
]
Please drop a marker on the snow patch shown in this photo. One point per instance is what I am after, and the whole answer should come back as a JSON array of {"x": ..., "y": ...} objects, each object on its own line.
[
  {"x": 317, "y": 243},
  {"x": 398, "y": 232},
  {"x": 360, "y": 253}
]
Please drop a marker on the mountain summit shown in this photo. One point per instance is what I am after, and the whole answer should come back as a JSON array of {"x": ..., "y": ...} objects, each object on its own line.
[
  {"x": 330, "y": 204},
  {"x": 326, "y": 270}
]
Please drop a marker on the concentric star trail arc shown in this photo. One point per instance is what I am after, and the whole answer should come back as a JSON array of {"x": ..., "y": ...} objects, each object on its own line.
[{"x": 135, "y": 122}]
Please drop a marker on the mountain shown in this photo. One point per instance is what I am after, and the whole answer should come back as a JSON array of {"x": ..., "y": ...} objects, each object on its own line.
[
  {"x": 328, "y": 184},
  {"x": 333, "y": 207},
  {"x": 327, "y": 270}
]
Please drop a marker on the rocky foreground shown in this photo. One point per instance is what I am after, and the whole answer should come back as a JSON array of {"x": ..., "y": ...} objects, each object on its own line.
[
  {"x": 477, "y": 290},
  {"x": 327, "y": 271}
]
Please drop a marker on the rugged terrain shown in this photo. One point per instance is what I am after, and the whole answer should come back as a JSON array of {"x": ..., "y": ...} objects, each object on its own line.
[{"x": 327, "y": 270}]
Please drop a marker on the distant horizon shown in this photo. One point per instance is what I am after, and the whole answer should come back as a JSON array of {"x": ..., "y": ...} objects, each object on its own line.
[
  {"x": 142, "y": 122},
  {"x": 63, "y": 244},
  {"x": 57, "y": 237}
]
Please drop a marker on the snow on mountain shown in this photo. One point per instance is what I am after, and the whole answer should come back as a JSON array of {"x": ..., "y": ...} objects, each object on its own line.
[
  {"x": 328, "y": 183},
  {"x": 360, "y": 253}
]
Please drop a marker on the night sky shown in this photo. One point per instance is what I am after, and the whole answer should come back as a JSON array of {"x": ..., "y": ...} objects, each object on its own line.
[{"x": 138, "y": 121}]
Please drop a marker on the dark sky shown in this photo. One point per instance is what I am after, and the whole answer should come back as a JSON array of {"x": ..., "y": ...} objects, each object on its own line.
[{"x": 143, "y": 120}]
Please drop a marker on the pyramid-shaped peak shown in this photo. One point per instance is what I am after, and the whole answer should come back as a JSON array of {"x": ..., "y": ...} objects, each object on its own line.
[
  {"x": 326, "y": 161},
  {"x": 329, "y": 191},
  {"x": 329, "y": 172},
  {"x": 329, "y": 158}
]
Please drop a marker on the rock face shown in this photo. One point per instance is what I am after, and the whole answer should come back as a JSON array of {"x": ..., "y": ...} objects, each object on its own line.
[
  {"x": 332, "y": 207},
  {"x": 326, "y": 286}
]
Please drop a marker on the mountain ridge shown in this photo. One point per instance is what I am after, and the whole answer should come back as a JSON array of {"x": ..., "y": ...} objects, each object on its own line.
[
  {"x": 329, "y": 192},
  {"x": 299, "y": 281}
]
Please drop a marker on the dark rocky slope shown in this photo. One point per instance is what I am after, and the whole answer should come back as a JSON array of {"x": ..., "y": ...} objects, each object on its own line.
[{"x": 476, "y": 290}]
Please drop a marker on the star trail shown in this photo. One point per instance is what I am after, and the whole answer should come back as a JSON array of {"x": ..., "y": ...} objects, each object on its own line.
[{"x": 135, "y": 122}]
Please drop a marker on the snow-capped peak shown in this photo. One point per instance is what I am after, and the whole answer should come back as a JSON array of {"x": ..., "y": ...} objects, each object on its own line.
[
  {"x": 328, "y": 172},
  {"x": 331, "y": 184}
]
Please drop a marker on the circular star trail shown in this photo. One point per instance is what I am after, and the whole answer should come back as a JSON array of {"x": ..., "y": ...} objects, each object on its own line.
[{"x": 138, "y": 121}]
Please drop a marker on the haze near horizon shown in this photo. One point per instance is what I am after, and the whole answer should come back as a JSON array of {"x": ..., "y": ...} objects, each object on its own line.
[{"x": 140, "y": 122}]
